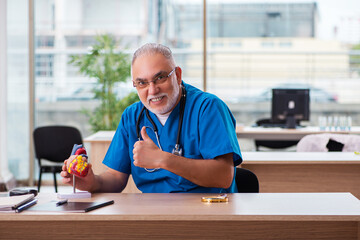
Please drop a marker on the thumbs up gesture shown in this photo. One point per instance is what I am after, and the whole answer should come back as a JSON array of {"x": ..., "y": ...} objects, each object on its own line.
[{"x": 145, "y": 153}]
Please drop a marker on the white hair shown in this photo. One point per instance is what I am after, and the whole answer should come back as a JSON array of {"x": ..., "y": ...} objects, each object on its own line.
[{"x": 152, "y": 49}]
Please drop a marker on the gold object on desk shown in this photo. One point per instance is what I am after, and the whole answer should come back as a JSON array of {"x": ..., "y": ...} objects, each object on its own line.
[{"x": 212, "y": 199}]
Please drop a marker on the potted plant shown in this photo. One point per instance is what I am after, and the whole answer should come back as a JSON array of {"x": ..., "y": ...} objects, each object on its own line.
[{"x": 108, "y": 66}]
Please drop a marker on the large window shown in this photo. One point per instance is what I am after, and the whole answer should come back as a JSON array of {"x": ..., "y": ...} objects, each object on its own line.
[
  {"x": 68, "y": 27},
  {"x": 18, "y": 88},
  {"x": 251, "y": 48},
  {"x": 65, "y": 28},
  {"x": 254, "y": 47}
]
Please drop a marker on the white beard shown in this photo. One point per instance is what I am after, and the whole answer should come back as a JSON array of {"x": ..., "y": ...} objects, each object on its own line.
[{"x": 170, "y": 102}]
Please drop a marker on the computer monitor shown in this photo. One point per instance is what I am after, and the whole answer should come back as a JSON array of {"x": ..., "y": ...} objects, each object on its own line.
[{"x": 290, "y": 106}]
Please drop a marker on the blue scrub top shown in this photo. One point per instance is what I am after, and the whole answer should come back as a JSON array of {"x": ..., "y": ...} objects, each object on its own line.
[{"x": 208, "y": 131}]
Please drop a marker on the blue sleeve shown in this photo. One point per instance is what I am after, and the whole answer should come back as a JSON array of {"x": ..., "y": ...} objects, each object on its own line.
[
  {"x": 217, "y": 131},
  {"x": 117, "y": 156}
]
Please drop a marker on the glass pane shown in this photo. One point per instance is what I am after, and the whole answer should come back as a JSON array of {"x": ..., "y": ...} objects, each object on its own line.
[
  {"x": 254, "y": 47},
  {"x": 18, "y": 88},
  {"x": 180, "y": 29}
]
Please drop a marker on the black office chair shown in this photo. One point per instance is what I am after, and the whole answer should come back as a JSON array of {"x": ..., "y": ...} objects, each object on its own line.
[
  {"x": 246, "y": 181},
  {"x": 54, "y": 144},
  {"x": 274, "y": 144}
]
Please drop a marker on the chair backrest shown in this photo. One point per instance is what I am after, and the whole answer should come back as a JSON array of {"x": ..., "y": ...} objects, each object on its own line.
[
  {"x": 246, "y": 181},
  {"x": 54, "y": 143}
]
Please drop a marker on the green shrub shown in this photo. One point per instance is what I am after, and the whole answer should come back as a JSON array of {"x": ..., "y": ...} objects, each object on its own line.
[{"x": 108, "y": 66}]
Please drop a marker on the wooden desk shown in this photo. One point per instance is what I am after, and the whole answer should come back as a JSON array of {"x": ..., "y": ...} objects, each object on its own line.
[
  {"x": 262, "y": 133},
  {"x": 184, "y": 216},
  {"x": 305, "y": 171}
]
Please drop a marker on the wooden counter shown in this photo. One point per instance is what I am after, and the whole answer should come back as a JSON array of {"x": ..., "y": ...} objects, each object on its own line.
[{"x": 305, "y": 171}]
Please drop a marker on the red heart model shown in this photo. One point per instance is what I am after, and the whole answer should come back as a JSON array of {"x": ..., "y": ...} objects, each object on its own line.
[
  {"x": 80, "y": 151},
  {"x": 79, "y": 166}
]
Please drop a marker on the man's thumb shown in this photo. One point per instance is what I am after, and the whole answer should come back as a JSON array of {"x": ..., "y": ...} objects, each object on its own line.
[{"x": 144, "y": 134}]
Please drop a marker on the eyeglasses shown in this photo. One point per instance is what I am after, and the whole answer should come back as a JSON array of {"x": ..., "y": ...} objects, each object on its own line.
[{"x": 158, "y": 80}]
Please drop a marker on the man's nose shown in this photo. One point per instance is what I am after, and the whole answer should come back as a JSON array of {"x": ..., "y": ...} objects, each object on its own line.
[{"x": 153, "y": 89}]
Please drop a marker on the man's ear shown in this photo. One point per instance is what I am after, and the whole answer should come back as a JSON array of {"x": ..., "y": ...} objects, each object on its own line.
[{"x": 178, "y": 72}]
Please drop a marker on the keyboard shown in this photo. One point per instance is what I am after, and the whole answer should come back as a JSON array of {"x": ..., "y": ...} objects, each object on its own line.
[
  {"x": 276, "y": 125},
  {"x": 272, "y": 125}
]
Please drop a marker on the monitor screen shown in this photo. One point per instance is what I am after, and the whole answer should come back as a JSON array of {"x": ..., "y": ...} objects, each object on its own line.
[{"x": 290, "y": 106}]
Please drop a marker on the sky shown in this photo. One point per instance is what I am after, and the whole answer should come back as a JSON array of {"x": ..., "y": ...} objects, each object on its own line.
[{"x": 345, "y": 14}]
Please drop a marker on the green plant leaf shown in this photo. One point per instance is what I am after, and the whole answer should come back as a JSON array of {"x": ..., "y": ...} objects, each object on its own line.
[{"x": 108, "y": 65}]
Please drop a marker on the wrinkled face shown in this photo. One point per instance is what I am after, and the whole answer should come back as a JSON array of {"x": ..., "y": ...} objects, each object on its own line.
[{"x": 159, "y": 92}]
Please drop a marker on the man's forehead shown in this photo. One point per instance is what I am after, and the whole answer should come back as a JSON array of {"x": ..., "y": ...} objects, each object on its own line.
[
  {"x": 150, "y": 57},
  {"x": 150, "y": 64}
]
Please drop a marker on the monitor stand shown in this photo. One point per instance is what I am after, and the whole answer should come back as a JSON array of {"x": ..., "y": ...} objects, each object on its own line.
[{"x": 290, "y": 122}]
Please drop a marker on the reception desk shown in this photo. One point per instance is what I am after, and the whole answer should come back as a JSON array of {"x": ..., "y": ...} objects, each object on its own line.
[
  {"x": 184, "y": 216},
  {"x": 305, "y": 171}
]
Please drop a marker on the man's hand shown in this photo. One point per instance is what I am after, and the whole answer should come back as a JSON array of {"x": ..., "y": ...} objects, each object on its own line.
[
  {"x": 82, "y": 183},
  {"x": 146, "y": 153}
]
